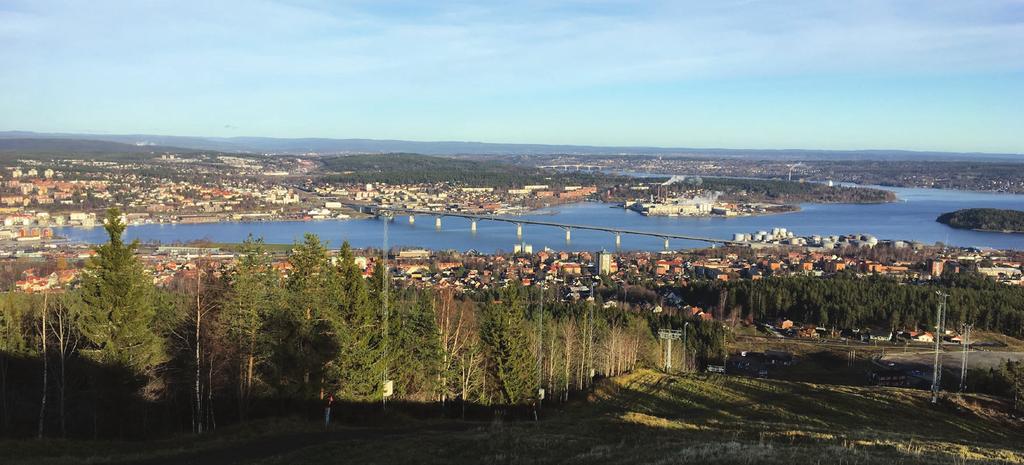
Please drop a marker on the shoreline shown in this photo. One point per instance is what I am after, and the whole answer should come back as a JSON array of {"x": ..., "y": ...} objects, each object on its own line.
[
  {"x": 844, "y": 183},
  {"x": 997, "y": 231}
]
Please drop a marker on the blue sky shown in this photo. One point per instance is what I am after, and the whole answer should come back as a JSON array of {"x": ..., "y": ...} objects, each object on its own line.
[{"x": 919, "y": 75}]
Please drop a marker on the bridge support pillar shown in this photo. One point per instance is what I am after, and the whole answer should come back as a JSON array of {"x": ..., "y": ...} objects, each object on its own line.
[
  {"x": 618, "y": 241},
  {"x": 472, "y": 225},
  {"x": 568, "y": 234},
  {"x": 412, "y": 219},
  {"x": 437, "y": 222},
  {"x": 666, "y": 243},
  {"x": 519, "y": 230}
]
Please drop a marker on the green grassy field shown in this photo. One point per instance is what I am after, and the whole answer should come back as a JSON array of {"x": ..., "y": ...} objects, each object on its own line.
[{"x": 644, "y": 417}]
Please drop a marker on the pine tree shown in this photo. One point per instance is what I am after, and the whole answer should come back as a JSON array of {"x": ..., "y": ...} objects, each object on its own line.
[
  {"x": 357, "y": 374},
  {"x": 119, "y": 306},
  {"x": 255, "y": 294},
  {"x": 305, "y": 331},
  {"x": 415, "y": 358},
  {"x": 512, "y": 365},
  {"x": 14, "y": 342}
]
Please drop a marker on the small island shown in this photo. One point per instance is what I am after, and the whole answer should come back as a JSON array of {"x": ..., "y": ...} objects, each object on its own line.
[{"x": 985, "y": 219}]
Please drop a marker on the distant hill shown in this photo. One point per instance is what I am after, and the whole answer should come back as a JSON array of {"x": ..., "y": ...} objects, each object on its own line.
[
  {"x": 405, "y": 168},
  {"x": 985, "y": 219},
  {"x": 64, "y": 146},
  {"x": 350, "y": 146}
]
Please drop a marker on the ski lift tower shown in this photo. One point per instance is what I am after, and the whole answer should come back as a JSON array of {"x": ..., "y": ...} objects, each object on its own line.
[
  {"x": 669, "y": 335},
  {"x": 940, "y": 330}
]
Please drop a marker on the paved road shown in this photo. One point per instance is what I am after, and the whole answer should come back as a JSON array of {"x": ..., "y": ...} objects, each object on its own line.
[{"x": 951, "y": 360}]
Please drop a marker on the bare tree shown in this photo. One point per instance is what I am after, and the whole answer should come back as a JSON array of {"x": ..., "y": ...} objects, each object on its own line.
[
  {"x": 63, "y": 328},
  {"x": 569, "y": 335},
  {"x": 194, "y": 334},
  {"x": 470, "y": 368},
  {"x": 456, "y": 326}
]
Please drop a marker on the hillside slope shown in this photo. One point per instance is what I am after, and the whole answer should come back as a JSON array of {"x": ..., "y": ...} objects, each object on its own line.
[{"x": 644, "y": 417}]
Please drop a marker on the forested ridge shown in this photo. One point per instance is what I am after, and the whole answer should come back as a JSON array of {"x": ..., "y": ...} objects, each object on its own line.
[
  {"x": 985, "y": 219},
  {"x": 408, "y": 168},
  {"x": 770, "y": 190},
  {"x": 845, "y": 301}
]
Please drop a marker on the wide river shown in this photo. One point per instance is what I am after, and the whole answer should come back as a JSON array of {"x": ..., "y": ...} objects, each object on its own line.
[{"x": 910, "y": 218}]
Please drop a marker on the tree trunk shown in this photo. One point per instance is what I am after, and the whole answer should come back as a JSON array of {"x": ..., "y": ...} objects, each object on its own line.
[
  {"x": 212, "y": 421},
  {"x": 4, "y": 417},
  {"x": 198, "y": 413},
  {"x": 62, "y": 388},
  {"x": 42, "y": 404},
  {"x": 250, "y": 366}
]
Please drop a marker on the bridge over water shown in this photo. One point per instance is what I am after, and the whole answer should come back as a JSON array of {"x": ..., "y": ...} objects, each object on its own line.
[{"x": 379, "y": 210}]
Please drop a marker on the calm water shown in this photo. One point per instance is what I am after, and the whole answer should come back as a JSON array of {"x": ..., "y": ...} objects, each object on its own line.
[{"x": 911, "y": 218}]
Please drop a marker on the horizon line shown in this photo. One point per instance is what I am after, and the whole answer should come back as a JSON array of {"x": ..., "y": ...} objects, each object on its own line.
[{"x": 64, "y": 135}]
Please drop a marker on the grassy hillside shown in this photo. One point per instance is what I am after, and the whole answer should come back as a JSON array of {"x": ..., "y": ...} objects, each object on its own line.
[{"x": 645, "y": 417}]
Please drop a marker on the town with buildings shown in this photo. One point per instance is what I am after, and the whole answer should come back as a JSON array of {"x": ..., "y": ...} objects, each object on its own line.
[{"x": 38, "y": 198}]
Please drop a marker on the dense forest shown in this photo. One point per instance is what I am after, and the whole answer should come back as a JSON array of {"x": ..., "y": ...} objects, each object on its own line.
[
  {"x": 767, "y": 190},
  {"x": 845, "y": 301},
  {"x": 985, "y": 219},
  {"x": 407, "y": 168},
  {"x": 121, "y": 357},
  {"x": 761, "y": 191}
]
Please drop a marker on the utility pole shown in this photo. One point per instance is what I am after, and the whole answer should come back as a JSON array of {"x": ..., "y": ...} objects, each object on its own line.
[
  {"x": 540, "y": 352},
  {"x": 940, "y": 323},
  {"x": 386, "y": 385},
  {"x": 590, "y": 344},
  {"x": 965, "y": 341}
]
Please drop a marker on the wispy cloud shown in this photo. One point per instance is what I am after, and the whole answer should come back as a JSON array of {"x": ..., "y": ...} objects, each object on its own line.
[
  {"x": 230, "y": 52},
  {"x": 550, "y": 43}
]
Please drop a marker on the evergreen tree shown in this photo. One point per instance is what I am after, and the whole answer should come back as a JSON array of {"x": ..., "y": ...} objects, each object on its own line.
[
  {"x": 512, "y": 365},
  {"x": 119, "y": 305},
  {"x": 358, "y": 366},
  {"x": 709, "y": 343},
  {"x": 415, "y": 350},
  {"x": 304, "y": 332},
  {"x": 14, "y": 342},
  {"x": 254, "y": 296}
]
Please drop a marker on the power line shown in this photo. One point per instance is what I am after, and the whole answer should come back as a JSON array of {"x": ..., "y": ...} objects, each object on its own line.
[
  {"x": 540, "y": 351},
  {"x": 386, "y": 386}
]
